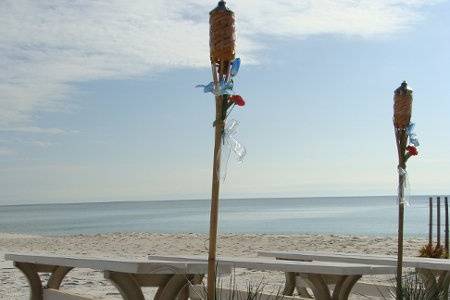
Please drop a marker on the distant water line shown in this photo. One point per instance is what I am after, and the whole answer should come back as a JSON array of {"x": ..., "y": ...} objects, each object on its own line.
[{"x": 370, "y": 216}]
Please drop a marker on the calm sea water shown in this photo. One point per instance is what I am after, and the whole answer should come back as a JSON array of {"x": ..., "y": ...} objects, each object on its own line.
[{"x": 355, "y": 215}]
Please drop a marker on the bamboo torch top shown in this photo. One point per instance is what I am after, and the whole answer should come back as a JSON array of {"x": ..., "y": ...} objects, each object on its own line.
[
  {"x": 221, "y": 34},
  {"x": 402, "y": 106}
]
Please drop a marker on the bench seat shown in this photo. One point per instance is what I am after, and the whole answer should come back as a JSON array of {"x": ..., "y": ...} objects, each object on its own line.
[
  {"x": 172, "y": 278},
  {"x": 344, "y": 275},
  {"x": 435, "y": 272}
]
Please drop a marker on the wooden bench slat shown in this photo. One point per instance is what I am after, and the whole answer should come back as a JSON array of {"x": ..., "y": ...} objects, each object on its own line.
[
  {"x": 118, "y": 265},
  {"x": 412, "y": 262},
  {"x": 314, "y": 267}
]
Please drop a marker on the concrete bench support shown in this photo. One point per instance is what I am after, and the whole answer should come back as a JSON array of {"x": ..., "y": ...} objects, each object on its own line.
[
  {"x": 320, "y": 286},
  {"x": 30, "y": 272}
]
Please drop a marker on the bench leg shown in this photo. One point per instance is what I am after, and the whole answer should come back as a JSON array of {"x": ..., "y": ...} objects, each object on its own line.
[
  {"x": 36, "y": 291},
  {"x": 173, "y": 287},
  {"x": 318, "y": 286},
  {"x": 344, "y": 286},
  {"x": 54, "y": 282},
  {"x": 126, "y": 284},
  {"x": 291, "y": 284}
]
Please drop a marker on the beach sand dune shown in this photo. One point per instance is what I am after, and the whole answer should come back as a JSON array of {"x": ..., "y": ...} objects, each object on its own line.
[{"x": 139, "y": 245}]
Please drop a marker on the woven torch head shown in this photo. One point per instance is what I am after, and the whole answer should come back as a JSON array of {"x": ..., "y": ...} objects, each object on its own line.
[
  {"x": 221, "y": 34},
  {"x": 402, "y": 106}
]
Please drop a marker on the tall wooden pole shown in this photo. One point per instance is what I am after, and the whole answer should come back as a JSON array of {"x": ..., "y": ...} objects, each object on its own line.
[
  {"x": 402, "y": 117},
  {"x": 430, "y": 224},
  {"x": 438, "y": 220},
  {"x": 222, "y": 52},
  {"x": 214, "y": 213},
  {"x": 402, "y": 139},
  {"x": 446, "y": 226}
]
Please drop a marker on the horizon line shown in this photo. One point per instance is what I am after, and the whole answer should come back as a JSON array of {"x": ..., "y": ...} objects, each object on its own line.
[{"x": 207, "y": 199}]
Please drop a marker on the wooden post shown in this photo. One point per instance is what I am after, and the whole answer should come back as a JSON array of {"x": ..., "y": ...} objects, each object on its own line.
[
  {"x": 214, "y": 213},
  {"x": 222, "y": 52},
  {"x": 401, "y": 212},
  {"x": 446, "y": 226},
  {"x": 430, "y": 224},
  {"x": 402, "y": 117},
  {"x": 401, "y": 145},
  {"x": 438, "y": 219}
]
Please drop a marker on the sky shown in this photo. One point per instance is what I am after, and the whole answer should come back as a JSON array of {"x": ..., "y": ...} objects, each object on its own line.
[{"x": 97, "y": 98}]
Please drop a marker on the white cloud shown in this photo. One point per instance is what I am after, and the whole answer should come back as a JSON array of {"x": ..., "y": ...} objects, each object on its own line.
[{"x": 45, "y": 46}]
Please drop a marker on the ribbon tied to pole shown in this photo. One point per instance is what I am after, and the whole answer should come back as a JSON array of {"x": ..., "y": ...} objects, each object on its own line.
[
  {"x": 403, "y": 190},
  {"x": 231, "y": 144},
  {"x": 225, "y": 86},
  {"x": 411, "y": 135}
]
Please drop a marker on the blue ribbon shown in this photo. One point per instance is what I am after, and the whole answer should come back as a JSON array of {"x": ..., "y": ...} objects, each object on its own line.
[
  {"x": 225, "y": 88},
  {"x": 209, "y": 88},
  {"x": 235, "y": 64}
]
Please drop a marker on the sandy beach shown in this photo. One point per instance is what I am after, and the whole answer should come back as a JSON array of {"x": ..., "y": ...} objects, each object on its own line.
[{"x": 139, "y": 245}]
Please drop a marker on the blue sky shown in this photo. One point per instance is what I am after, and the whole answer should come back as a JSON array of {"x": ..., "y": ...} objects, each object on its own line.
[{"x": 97, "y": 99}]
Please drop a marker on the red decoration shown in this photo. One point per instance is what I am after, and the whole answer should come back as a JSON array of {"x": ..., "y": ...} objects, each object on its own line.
[
  {"x": 412, "y": 150},
  {"x": 238, "y": 100}
]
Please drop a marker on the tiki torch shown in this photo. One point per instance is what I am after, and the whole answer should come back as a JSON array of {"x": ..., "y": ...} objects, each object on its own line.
[
  {"x": 222, "y": 52},
  {"x": 402, "y": 116}
]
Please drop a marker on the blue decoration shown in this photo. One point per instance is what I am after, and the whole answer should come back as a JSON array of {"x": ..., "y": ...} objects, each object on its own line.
[
  {"x": 235, "y": 64},
  {"x": 226, "y": 87},
  {"x": 412, "y": 136},
  {"x": 209, "y": 88}
]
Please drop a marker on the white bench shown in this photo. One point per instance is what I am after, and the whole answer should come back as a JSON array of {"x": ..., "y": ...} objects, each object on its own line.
[
  {"x": 129, "y": 276},
  {"x": 345, "y": 275},
  {"x": 435, "y": 272}
]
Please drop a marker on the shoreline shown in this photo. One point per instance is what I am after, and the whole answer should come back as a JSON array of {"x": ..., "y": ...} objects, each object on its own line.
[
  {"x": 187, "y": 233},
  {"x": 138, "y": 245}
]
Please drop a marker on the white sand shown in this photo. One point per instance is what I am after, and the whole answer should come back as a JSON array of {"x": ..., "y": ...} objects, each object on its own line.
[{"x": 139, "y": 245}]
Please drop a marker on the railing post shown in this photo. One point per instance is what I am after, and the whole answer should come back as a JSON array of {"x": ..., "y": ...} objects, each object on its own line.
[
  {"x": 446, "y": 226},
  {"x": 430, "y": 224},
  {"x": 438, "y": 219}
]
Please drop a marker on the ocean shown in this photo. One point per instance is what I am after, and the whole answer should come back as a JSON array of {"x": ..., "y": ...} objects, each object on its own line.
[{"x": 370, "y": 216}]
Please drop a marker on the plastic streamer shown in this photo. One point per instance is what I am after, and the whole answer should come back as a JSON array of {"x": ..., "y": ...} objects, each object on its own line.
[
  {"x": 235, "y": 64},
  {"x": 411, "y": 135},
  {"x": 230, "y": 144},
  {"x": 406, "y": 195},
  {"x": 225, "y": 88}
]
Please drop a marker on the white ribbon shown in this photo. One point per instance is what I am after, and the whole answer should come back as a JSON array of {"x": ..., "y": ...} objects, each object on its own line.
[
  {"x": 230, "y": 143},
  {"x": 404, "y": 194}
]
